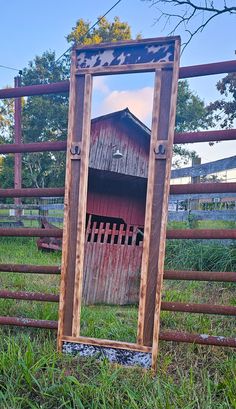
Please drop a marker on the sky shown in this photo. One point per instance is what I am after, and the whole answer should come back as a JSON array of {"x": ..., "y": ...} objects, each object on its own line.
[{"x": 29, "y": 28}]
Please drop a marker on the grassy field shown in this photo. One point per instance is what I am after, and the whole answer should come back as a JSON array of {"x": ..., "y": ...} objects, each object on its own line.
[{"x": 34, "y": 375}]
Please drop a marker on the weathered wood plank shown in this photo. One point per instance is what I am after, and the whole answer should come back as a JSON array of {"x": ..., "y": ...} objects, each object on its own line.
[
  {"x": 85, "y": 119},
  {"x": 78, "y": 130},
  {"x": 145, "y": 284},
  {"x": 108, "y": 343},
  {"x": 167, "y": 129}
]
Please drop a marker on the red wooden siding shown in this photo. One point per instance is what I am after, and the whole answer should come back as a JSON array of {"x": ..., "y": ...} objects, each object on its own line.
[
  {"x": 112, "y": 264},
  {"x": 110, "y": 134},
  {"x": 125, "y": 207},
  {"x": 117, "y": 190}
]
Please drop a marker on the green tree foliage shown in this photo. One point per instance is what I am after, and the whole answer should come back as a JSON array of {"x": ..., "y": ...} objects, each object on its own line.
[
  {"x": 45, "y": 117},
  {"x": 106, "y": 31},
  {"x": 224, "y": 109},
  {"x": 191, "y": 115}
]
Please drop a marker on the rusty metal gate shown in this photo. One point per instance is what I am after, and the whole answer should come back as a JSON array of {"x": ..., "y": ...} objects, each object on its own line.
[{"x": 206, "y": 136}]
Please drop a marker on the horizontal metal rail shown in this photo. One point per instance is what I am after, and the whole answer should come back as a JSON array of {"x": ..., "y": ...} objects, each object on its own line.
[
  {"x": 174, "y": 190},
  {"x": 205, "y": 136},
  {"x": 28, "y": 322},
  {"x": 28, "y": 296},
  {"x": 198, "y": 308},
  {"x": 32, "y": 147},
  {"x": 192, "y": 188},
  {"x": 28, "y": 232},
  {"x": 180, "y": 138},
  {"x": 201, "y": 70},
  {"x": 29, "y": 268},
  {"x": 31, "y": 90},
  {"x": 174, "y": 336},
  {"x": 32, "y": 192},
  {"x": 201, "y": 234},
  {"x": 171, "y": 234},
  {"x": 225, "y": 276},
  {"x": 202, "y": 339},
  {"x": 200, "y": 275}
]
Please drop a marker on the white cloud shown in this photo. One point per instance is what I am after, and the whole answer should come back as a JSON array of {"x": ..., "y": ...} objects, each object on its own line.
[
  {"x": 99, "y": 84},
  {"x": 138, "y": 101}
]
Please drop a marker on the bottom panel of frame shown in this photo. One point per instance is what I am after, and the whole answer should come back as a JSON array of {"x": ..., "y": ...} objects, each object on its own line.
[{"x": 119, "y": 356}]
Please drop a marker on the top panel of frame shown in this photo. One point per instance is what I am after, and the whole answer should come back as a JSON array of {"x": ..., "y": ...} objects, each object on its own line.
[{"x": 146, "y": 53}]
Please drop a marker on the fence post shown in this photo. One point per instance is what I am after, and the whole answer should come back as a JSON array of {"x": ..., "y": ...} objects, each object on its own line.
[{"x": 17, "y": 139}]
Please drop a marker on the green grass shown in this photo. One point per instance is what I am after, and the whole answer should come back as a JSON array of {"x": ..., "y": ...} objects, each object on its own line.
[{"x": 34, "y": 375}]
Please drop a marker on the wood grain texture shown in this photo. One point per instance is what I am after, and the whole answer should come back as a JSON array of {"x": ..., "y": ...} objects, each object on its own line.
[
  {"x": 148, "y": 212},
  {"x": 168, "y": 132},
  {"x": 84, "y": 118},
  {"x": 122, "y": 69},
  {"x": 78, "y": 88},
  {"x": 156, "y": 206},
  {"x": 108, "y": 343}
]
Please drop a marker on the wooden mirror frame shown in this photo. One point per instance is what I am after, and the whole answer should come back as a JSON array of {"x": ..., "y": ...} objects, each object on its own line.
[{"x": 159, "y": 55}]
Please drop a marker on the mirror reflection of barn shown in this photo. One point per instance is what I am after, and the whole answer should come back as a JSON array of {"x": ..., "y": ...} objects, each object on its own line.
[{"x": 118, "y": 167}]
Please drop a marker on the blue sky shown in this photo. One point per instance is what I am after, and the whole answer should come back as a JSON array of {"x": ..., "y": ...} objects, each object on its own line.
[{"x": 28, "y": 28}]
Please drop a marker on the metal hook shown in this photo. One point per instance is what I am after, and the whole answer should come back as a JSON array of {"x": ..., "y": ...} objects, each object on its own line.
[
  {"x": 75, "y": 150},
  {"x": 160, "y": 149}
]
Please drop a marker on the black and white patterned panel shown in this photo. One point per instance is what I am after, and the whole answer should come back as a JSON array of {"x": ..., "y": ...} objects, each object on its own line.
[
  {"x": 114, "y": 355},
  {"x": 137, "y": 54}
]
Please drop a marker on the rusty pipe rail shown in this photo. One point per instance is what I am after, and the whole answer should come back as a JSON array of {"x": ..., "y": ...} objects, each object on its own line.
[
  {"x": 200, "y": 275},
  {"x": 33, "y": 147},
  {"x": 31, "y": 90},
  {"x": 201, "y": 234},
  {"x": 225, "y": 276},
  {"x": 60, "y": 146},
  {"x": 198, "y": 308},
  {"x": 28, "y": 232},
  {"x": 222, "y": 67},
  {"x": 202, "y": 339},
  {"x": 174, "y": 190},
  {"x": 28, "y": 296},
  {"x": 171, "y": 234},
  {"x": 192, "y": 188},
  {"x": 205, "y": 136},
  {"x": 29, "y": 268},
  {"x": 28, "y": 322},
  {"x": 32, "y": 192},
  {"x": 173, "y": 336}
]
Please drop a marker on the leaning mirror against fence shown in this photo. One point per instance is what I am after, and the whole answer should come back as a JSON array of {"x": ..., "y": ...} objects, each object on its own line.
[{"x": 152, "y": 55}]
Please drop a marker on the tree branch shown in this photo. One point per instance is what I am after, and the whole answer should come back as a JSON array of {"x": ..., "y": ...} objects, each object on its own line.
[{"x": 189, "y": 10}]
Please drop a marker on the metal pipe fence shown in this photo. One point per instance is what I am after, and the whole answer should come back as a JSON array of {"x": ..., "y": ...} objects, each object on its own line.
[{"x": 208, "y": 188}]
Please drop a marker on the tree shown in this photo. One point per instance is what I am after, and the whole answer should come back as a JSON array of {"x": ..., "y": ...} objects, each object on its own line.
[
  {"x": 224, "y": 109},
  {"x": 47, "y": 169},
  {"x": 191, "y": 115},
  {"x": 106, "y": 31},
  {"x": 192, "y": 15},
  {"x": 45, "y": 117}
]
